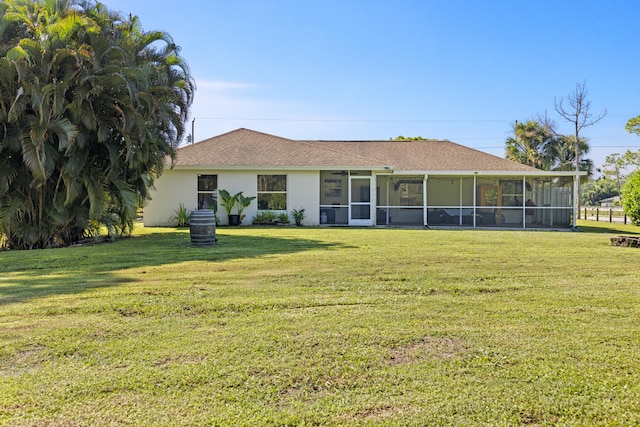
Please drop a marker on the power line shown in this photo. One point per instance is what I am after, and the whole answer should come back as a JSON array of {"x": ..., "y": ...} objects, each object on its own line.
[
  {"x": 353, "y": 120},
  {"x": 590, "y": 146},
  {"x": 279, "y": 119}
]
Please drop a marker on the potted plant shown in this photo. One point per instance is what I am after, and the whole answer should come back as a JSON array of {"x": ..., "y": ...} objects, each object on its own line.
[
  {"x": 298, "y": 216},
  {"x": 228, "y": 202},
  {"x": 239, "y": 201}
]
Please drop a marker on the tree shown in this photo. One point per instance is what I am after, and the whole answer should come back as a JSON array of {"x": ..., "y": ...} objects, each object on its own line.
[
  {"x": 537, "y": 144},
  {"x": 616, "y": 164},
  {"x": 90, "y": 107},
  {"x": 595, "y": 190},
  {"x": 563, "y": 155},
  {"x": 531, "y": 145},
  {"x": 408, "y": 138},
  {"x": 630, "y": 197},
  {"x": 577, "y": 111},
  {"x": 633, "y": 125}
]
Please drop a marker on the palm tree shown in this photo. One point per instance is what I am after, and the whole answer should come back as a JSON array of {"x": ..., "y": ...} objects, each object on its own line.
[
  {"x": 531, "y": 145},
  {"x": 563, "y": 153},
  {"x": 91, "y": 106},
  {"x": 539, "y": 146},
  {"x": 36, "y": 128}
]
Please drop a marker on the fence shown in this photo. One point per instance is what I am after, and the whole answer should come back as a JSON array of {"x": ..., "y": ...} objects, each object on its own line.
[{"x": 604, "y": 214}]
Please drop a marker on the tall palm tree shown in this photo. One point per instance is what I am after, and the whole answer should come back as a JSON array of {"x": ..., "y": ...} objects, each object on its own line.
[
  {"x": 91, "y": 107},
  {"x": 539, "y": 146},
  {"x": 563, "y": 152},
  {"x": 530, "y": 145}
]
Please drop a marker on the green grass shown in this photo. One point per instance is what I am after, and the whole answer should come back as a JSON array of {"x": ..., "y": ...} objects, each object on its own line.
[{"x": 324, "y": 326}]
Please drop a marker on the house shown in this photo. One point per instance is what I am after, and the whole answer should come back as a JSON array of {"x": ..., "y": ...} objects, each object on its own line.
[
  {"x": 609, "y": 202},
  {"x": 364, "y": 183}
]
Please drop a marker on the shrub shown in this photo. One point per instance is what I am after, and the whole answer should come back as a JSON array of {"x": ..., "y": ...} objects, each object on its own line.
[
  {"x": 283, "y": 218},
  {"x": 630, "y": 197},
  {"x": 264, "y": 217},
  {"x": 298, "y": 215},
  {"x": 180, "y": 217}
]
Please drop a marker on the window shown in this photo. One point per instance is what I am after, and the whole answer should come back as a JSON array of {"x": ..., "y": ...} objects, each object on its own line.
[
  {"x": 207, "y": 192},
  {"x": 272, "y": 192}
]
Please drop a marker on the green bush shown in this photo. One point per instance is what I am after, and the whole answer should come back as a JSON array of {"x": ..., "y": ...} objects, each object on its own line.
[
  {"x": 283, "y": 218},
  {"x": 630, "y": 197},
  {"x": 264, "y": 217},
  {"x": 180, "y": 217}
]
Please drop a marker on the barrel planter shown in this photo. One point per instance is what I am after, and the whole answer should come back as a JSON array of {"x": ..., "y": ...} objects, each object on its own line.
[{"x": 202, "y": 227}]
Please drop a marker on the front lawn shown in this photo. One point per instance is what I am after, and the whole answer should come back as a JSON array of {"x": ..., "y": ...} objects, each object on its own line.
[{"x": 315, "y": 326}]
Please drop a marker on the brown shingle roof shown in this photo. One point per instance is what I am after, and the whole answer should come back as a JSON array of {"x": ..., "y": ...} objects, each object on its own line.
[{"x": 244, "y": 148}]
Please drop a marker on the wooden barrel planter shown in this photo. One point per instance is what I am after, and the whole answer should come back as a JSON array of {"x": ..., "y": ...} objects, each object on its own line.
[{"x": 202, "y": 227}]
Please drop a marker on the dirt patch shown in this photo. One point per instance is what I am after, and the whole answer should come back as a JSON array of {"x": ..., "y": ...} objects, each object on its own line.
[
  {"x": 27, "y": 360},
  {"x": 180, "y": 360},
  {"x": 379, "y": 412},
  {"x": 444, "y": 348}
]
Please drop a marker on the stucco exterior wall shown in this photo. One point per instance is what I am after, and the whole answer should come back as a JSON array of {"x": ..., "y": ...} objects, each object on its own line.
[
  {"x": 171, "y": 189},
  {"x": 304, "y": 193},
  {"x": 180, "y": 186}
]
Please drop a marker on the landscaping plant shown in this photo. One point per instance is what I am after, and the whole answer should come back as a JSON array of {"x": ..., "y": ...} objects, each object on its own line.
[
  {"x": 630, "y": 197},
  {"x": 92, "y": 106},
  {"x": 180, "y": 216}
]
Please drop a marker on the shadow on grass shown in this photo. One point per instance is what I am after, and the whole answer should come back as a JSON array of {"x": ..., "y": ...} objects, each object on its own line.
[
  {"x": 26, "y": 275},
  {"x": 606, "y": 227}
]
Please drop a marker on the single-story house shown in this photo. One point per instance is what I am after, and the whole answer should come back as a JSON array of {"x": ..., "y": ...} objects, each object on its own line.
[
  {"x": 609, "y": 202},
  {"x": 363, "y": 183}
]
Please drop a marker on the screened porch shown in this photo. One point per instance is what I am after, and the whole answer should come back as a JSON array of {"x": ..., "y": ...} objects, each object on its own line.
[
  {"x": 500, "y": 201},
  {"x": 504, "y": 201}
]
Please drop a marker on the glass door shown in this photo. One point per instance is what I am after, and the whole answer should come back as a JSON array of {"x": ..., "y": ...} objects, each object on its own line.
[{"x": 360, "y": 200}]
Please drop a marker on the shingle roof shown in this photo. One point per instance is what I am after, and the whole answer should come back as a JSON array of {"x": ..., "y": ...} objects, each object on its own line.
[{"x": 244, "y": 148}]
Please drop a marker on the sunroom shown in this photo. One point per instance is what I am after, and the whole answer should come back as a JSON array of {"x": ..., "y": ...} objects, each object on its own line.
[
  {"x": 508, "y": 201},
  {"x": 441, "y": 200}
]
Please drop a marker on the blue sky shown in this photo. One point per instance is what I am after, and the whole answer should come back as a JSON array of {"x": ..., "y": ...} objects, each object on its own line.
[{"x": 461, "y": 70}]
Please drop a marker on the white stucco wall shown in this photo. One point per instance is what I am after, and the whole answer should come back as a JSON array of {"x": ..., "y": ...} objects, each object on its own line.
[
  {"x": 180, "y": 186},
  {"x": 171, "y": 189},
  {"x": 304, "y": 193}
]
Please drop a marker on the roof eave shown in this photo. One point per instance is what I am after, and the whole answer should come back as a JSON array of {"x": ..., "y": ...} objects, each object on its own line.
[
  {"x": 383, "y": 169},
  {"x": 279, "y": 167},
  {"x": 487, "y": 173}
]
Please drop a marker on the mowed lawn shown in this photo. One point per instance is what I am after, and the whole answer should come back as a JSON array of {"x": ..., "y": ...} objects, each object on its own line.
[{"x": 324, "y": 326}]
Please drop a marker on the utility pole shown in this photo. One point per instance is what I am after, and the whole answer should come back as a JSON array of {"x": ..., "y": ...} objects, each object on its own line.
[{"x": 193, "y": 130}]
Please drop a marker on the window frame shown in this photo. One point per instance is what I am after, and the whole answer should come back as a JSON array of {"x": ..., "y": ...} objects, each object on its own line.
[
  {"x": 203, "y": 192},
  {"x": 270, "y": 191}
]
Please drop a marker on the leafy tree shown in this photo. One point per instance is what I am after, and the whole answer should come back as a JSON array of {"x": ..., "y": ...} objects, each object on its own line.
[
  {"x": 630, "y": 197},
  {"x": 408, "y": 138},
  {"x": 595, "y": 190},
  {"x": 538, "y": 145},
  {"x": 563, "y": 154},
  {"x": 90, "y": 107},
  {"x": 531, "y": 145},
  {"x": 615, "y": 166},
  {"x": 633, "y": 125}
]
